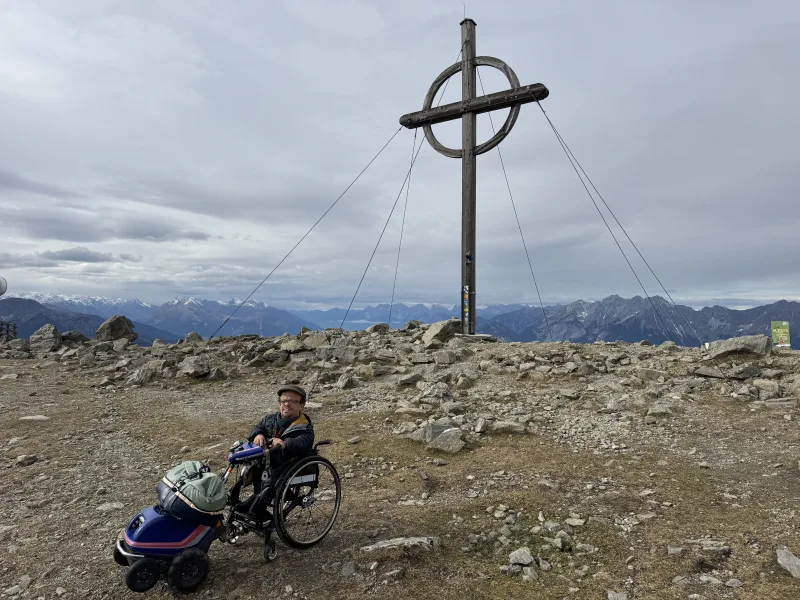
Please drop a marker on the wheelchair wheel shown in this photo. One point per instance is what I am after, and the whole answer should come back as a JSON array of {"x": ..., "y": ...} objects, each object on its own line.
[{"x": 307, "y": 502}]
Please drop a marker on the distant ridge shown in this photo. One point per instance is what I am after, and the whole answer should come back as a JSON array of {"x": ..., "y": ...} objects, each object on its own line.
[{"x": 612, "y": 318}]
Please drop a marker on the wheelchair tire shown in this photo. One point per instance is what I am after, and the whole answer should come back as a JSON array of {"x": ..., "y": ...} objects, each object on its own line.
[{"x": 299, "y": 501}]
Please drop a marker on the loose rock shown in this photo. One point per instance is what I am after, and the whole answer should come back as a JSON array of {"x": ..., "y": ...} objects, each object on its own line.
[
  {"x": 448, "y": 441},
  {"x": 441, "y": 331},
  {"x": 789, "y": 562},
  {"x": 404, "y": 543},
  {"x": 521, "y": 556},
  {"x": 26, "y": 460}
]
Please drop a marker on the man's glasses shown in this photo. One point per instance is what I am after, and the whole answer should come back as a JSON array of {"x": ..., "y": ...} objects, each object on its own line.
[{"x": 282, "y": 401}]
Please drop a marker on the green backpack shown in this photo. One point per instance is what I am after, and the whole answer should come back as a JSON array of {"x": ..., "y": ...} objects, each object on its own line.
[{"x": 191, "y": 491}]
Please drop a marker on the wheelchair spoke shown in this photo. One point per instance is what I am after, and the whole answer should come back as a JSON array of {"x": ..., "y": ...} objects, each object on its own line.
[
  {"x": 317, "y": 507},
  {"x": 308, "y": 508}
]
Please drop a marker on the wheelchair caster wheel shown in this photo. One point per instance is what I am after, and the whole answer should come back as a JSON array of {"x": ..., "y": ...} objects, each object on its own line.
[{"x": 270, "y": 551}]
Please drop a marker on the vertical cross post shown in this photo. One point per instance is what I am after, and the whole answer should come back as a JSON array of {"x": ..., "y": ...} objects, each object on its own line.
[
  {"x": 467, "y": 110},
  {"x": 468, "y": 179}
]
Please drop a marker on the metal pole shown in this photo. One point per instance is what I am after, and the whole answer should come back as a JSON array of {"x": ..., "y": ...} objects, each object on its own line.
[{"x": 468, "y": 179}]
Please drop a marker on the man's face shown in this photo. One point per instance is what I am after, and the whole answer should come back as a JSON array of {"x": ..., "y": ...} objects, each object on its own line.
[{"x": 291, "y": 405}]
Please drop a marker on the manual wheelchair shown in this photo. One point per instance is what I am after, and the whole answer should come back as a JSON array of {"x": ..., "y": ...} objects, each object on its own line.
[{"x": 305, "y": 498}]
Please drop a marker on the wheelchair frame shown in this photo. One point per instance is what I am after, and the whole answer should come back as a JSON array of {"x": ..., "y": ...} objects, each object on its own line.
[{"x": 292, "y": 479}]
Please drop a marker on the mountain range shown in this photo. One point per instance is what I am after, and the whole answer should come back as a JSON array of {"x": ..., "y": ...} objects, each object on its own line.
[
  {"x": 398, "y": 313},
  {"x": 613, "y": 318},
  {"x": 30, "y": 315},
  {"x": 180, "y": 315},
  {"x": 633, "y": 319}
]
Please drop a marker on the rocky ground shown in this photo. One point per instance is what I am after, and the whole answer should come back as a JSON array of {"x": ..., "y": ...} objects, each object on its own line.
[{"x": 547, "y": 470}]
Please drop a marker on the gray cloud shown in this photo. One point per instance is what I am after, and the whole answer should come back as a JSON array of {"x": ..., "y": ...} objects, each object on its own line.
[
  {"x": 293, "y": 201},
  {"x": 54, "y": 258},
  {"x": 205, "y": 141},
  {"x": 153, "y": 231},
  {"x": 18, "y": 183},
  {"x": 78, "y": 254},
  {"x": 83, "y": 225},
  {"x": 11, "y": 261}
]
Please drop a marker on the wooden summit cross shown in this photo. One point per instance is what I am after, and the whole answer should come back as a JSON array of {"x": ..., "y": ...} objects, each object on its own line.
[{"x": 467, "y": 110}]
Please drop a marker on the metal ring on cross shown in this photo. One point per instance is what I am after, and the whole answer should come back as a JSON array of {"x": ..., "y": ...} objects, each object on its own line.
[{"x": 480, "y": 61}]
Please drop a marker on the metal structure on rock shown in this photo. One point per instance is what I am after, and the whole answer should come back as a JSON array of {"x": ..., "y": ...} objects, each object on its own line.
[
  {"x": 7, "y": 330},
  {"x": 467, "y": 110}
]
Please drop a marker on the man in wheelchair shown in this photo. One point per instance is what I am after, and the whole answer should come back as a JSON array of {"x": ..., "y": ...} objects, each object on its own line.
[{"x": 286, "y": 435}]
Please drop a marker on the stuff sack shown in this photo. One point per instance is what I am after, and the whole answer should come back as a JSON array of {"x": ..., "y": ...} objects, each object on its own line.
[{"x": 191, "y": 492}]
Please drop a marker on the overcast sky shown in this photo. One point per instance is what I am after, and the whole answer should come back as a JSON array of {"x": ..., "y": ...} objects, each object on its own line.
[{"x": 154, "y": 149}]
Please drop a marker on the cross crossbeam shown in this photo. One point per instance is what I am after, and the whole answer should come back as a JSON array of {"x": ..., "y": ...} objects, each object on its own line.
[{"x": 482, "y": 104}]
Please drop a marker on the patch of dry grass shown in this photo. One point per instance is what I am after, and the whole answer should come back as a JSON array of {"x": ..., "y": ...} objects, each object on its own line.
[{"x": 123, "y": 441}]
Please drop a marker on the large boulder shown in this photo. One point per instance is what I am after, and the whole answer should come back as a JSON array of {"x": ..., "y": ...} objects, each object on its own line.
[
  {"x": 195, "y": 366},
  {"x": 448, "y": 441},
  {"x": 147, "y": 373},
  {"x": 277, "y": 357},
  {"x": 768, "y": 386},
  {"x": 76, "y": 337},
  {"x": 193, "y": 338},
  {"x": 116, "y": 328},
  {"x": 760, "y": 345},
  {"x": 293, "y": 345},
  {"x": 314, "y": 340},
  {"x": 429, "y": 432},
  {"x": 378, "y": 328},
  {"x": 441, "y": 331},
  {"x": 45, "y": 339}
]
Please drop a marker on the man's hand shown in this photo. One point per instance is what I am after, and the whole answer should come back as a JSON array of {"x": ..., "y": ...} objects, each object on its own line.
[
  {"x": 260, "y": 440},
  {"x": 278, "y": 442}
]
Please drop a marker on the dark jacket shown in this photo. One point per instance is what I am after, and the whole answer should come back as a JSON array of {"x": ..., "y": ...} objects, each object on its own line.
[{"x": 298, "y": 435}]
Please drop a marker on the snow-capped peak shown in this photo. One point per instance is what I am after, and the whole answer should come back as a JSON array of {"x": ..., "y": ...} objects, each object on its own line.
[
  {"x": 238, "y": 301},
  {"x": 45, "y": 298},
  {"x": 184, "y": 301}
]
